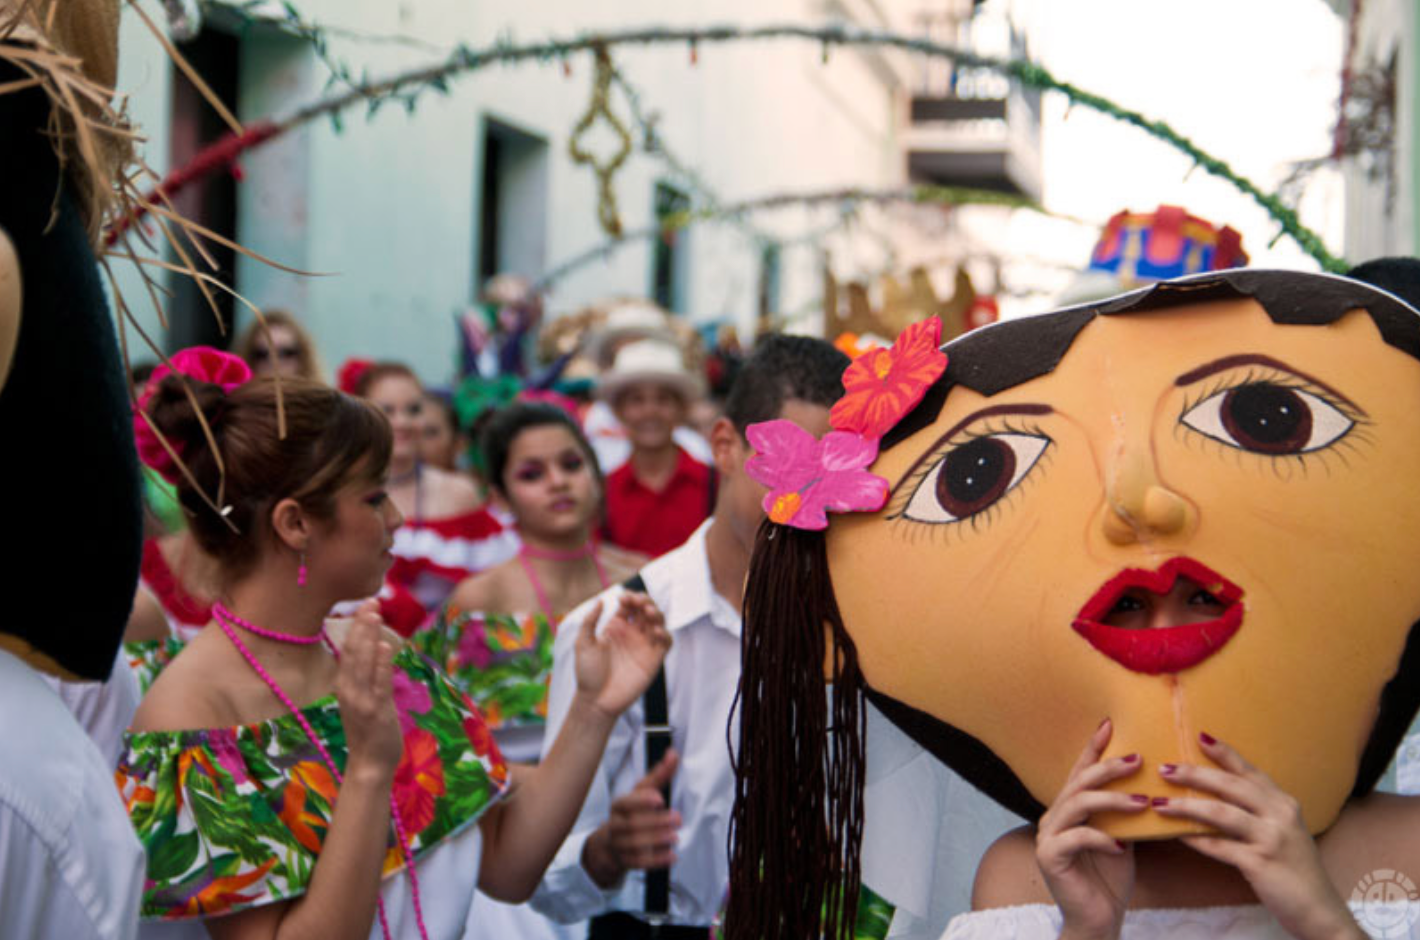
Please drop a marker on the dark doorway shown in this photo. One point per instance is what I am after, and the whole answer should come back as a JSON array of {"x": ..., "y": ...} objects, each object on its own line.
[{"x": 211, "y": 201}]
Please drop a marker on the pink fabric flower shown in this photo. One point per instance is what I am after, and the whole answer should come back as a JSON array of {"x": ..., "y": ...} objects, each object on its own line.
[
  {"x": 808, "y": 477},
  {"x": 202, "y": 363},
  {"x": 883, "y": 385},
  {"x": 409, "y": 697}
]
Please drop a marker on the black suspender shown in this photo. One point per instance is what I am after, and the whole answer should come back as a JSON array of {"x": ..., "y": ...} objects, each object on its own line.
[{"x": 658, "y": 741}]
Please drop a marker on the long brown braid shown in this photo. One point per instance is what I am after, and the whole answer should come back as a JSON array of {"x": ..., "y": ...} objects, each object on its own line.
[{"x": 797, "y": 823}]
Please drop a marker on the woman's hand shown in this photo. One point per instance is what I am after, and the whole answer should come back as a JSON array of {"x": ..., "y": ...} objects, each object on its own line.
[
  {"x": 364, "y": 688},
  {"x": 615, "y": 668},
  {"x": 1089, "y": 873},
  {"x": 1262, "y": 835}
]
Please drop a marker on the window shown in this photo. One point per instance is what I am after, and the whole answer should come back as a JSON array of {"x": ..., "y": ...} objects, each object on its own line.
[
  {"x": 212, "y": 200},
  {"x": 669, "y": 257},
  {"x": 769, "y": 278},
  {"x": 512, "y": 207}
]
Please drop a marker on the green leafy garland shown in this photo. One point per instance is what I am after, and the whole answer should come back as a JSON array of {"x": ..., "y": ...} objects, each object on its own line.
[{"x": 406, "y": 87}]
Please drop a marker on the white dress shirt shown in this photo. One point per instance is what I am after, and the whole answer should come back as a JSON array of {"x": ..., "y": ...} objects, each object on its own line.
[
  {"x": 70, "y": 865},
  {"x": 103, "y": 709},
  {"x": 702, "y": 673},
  {"x": 924, "y": 832}
]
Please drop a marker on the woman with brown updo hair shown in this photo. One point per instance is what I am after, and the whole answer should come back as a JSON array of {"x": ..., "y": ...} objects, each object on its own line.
[
  {"x": 289, "y": 780},
  {"x": 449, "y": 534}
]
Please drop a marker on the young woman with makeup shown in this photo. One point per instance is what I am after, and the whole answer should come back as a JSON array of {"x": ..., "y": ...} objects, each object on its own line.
[
  {"x": 290, "y": 780},
  {"x": 495, "y": 634},
  {"x": 449, "y": 534}
]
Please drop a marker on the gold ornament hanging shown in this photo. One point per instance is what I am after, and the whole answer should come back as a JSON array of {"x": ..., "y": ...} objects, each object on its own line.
[{"x": 600, "y": 108}]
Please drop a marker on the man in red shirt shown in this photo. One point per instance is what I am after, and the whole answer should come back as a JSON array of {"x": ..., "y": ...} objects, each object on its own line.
[{"x": 661, "y": 494}]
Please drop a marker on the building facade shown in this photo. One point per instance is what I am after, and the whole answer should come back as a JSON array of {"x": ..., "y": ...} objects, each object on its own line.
[{"x": 403, "y": 214}]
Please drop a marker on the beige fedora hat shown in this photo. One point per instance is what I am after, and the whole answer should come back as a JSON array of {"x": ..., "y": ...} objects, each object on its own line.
[{"x": 651, "y": 361}]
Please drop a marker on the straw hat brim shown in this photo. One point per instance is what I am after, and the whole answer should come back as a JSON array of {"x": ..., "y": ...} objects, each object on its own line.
[{"x": 614, "y": 383}]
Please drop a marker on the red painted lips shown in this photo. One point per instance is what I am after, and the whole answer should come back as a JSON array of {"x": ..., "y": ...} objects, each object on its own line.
[{"x": 1166, "y": 649}]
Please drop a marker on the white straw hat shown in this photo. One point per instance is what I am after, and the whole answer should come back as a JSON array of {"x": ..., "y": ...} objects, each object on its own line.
[{"x": 649, "y": 361}]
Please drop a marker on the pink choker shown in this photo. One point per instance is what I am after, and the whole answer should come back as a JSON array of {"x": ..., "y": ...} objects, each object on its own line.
[{"x": 586, "y": 550}]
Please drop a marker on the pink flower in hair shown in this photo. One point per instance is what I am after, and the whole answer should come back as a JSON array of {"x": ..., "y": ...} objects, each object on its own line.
[
  {"x": 351, "y": 371},
  {"x": 201, "y": 363},
  {"x": 808, "y": 477}
]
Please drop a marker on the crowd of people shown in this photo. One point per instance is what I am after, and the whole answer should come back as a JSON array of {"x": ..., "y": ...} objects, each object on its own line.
[
  {"x": 531, "y": 719},
  {"x": 473, "y": 542},
  {"x": 581, "y": 653}
]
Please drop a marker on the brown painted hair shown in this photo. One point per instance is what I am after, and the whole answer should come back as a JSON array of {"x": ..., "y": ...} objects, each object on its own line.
[
  {"x": 797, "y": 822},
  {"x": 331, "y": 439}
]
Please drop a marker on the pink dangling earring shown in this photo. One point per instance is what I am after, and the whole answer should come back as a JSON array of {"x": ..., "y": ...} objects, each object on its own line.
[{"x": 301, "y": 572}]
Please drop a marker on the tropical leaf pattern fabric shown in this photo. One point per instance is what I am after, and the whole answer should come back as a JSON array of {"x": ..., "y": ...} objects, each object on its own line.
[
  {"x": 872, "y": 922},
  {"x": 148, "y": 657},
  {"x": 503, "y": 661},
  {"x": 233, "y": 818}
]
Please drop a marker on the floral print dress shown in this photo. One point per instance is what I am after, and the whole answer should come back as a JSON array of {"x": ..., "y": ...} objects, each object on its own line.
[
  {"x": 234, "y": 818},
  {"x": 504, "y": 663}
]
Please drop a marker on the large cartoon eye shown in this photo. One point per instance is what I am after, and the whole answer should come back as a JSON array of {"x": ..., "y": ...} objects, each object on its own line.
[
  {"x": 1267, "y": 418},
  {"x": 973, "y": 476}
]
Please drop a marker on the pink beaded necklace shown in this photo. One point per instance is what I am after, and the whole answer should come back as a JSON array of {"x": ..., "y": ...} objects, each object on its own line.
[
  {"x": 586, "y": 550},
  {"x": 227, "y": 621}
]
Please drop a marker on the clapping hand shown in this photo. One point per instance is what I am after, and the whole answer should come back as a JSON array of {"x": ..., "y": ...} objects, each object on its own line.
[{"x": 614, "y": 669}]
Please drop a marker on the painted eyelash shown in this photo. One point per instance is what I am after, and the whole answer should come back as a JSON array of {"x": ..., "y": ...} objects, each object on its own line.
[
  {"x": 1283, "y": 466},
  {"x": 1255, "y": 375},
  {"x": 907, "y": 488}
]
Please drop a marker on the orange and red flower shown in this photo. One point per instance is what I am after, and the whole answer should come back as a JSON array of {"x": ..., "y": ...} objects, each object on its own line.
[
  {"x": 307, "y": 777},
  {"x": 222, "y": 894},
  {"x": 418, "y": 780},
  {"x": 478, "y": 735},
  {"x": 883, "y": 385}
]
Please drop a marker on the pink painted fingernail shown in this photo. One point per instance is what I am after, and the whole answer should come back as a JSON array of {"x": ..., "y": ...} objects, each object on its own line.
[
  {"x": 1167, "y": 769},
  {"x": 1160, "y": 801},
  {"x": 1102, "y": 723},
  {"x": 1207, "y": 738},
  {"x": 1130, "y": 758},
  {"x": 1139, "y": 797}
]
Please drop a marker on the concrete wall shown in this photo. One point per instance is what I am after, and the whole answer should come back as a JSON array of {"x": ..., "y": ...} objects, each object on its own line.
[
  {"x": 389, "y": 209},
  {"x": 1382, "y": 214}
]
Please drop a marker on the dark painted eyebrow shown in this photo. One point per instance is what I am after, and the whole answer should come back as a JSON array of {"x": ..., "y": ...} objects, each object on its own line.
[
  {"x": 990, "y": 412},
  {"x": 1256, "y": 359}
]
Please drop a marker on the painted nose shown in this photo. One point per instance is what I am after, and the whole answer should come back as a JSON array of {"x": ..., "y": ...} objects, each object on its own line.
[{"x": 1139, "y": 506}]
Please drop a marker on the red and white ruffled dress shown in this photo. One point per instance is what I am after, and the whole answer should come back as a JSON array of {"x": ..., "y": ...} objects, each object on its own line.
[{"x": 431, "y": 556}]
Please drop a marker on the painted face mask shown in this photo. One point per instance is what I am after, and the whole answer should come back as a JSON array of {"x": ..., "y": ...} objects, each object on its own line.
[{"x": 1187, "y": 509}]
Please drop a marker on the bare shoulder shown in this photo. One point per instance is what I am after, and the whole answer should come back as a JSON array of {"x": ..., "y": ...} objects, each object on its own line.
[
  {"x": 184, "y": 696},
  {"x": 620, "y": 563},
  {"x": 487, "y": 590},
  {"x": 1381, "y": 831},
  {"x": 453, "y": 493},
  {"x": 147, "y": 622},
  {"x": 1008, "y": 873}
]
